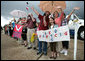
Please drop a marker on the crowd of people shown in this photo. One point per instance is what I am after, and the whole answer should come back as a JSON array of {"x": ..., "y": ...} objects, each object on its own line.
[{"x": 31, "y": 26}]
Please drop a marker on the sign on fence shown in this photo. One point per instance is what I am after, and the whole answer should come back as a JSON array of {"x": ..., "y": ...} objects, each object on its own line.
[
  {"x": 55, "y": 34},
  {"x": 17, "y": 31}
]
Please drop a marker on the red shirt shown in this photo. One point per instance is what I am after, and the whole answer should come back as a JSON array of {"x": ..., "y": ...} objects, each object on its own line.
[
  {"x": 41, "y": 24},
  {"x": 30, "y": 24},
  {"x": 5, "y": 28}
]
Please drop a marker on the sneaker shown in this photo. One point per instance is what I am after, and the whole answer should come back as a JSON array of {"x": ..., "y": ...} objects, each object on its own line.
[
  {"x": 65, "y": 53},
  {"x": 55, "y": 55},
  {"x": 29, "y": 47},
  {"x": 38, "y": 53},
  {"x": 62, "y": 51}
]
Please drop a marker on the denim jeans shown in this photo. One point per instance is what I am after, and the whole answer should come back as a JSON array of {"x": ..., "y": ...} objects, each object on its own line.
[{"x": 44, "y": 48}]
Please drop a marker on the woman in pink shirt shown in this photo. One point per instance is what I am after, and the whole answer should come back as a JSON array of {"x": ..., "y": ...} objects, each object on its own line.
[
  {"x": 58, "y": 21},
  {"x": 56, "y": 14}
]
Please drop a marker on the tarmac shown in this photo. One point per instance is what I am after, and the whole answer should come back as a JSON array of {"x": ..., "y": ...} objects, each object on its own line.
[{"x": 11, "y": 49}]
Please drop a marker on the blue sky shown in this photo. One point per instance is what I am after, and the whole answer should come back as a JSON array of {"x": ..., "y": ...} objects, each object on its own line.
[{"x": 8, "y": 6}]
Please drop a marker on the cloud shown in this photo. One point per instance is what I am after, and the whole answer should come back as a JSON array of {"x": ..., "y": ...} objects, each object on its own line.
[{"x": 6, "y": 20}]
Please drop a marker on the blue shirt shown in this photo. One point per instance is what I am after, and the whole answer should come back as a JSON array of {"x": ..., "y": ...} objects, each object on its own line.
[
  {"x": 13, "y": 24},
  {"x": 64, "y": 22}
]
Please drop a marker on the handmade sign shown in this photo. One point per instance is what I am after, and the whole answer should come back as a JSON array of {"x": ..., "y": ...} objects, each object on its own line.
[
  {"x": 55, "y": 34},
  {"x": 17, "y": 31}
]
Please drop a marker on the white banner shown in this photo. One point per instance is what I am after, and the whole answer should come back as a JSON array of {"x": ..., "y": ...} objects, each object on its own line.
[{"x": 55, "y": 34}]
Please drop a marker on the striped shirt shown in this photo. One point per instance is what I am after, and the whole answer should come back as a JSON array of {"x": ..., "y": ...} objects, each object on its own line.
[{"x": 64, "y": 22}]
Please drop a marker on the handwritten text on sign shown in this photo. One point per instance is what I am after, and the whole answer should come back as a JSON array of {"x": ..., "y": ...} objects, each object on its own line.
[{"x": 55, "y": 34}]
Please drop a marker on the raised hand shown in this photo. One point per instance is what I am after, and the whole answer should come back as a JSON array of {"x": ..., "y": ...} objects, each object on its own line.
[
  {"x": 76, "y": 8},
  {"x": 45, "y": 21},
  {"x": 59, "y": 8},
  {"x": 31, "y": 15},
  {"x": 32, "y": 8}
]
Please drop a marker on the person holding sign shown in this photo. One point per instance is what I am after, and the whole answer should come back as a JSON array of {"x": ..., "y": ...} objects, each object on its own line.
[
  {"x": 58, "y": 20},
  {"x": 43, "y": 25},
  {"x": 64, "y": 22},
  {"x": 53, "y": 44}
]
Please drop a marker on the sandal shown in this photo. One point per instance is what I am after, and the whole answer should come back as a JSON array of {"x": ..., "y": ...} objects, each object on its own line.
[
  {"x": 51, "y": 57},
  {"x": 55, "y": 55},
  {"x": 25, "y": 45}
]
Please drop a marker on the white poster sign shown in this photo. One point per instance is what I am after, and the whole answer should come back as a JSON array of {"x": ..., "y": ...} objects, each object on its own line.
[{"x": 55, "y": 34}]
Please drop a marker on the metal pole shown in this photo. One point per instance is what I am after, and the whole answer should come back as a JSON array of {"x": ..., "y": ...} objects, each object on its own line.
[{"x": 75, "y": 42}]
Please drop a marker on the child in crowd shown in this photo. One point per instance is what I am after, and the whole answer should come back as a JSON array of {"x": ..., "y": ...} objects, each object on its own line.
[{"x": 53, "y": 44}]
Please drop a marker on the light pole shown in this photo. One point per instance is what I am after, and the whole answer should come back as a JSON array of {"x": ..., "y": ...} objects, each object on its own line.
[{"x": 75, "y": 39}]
